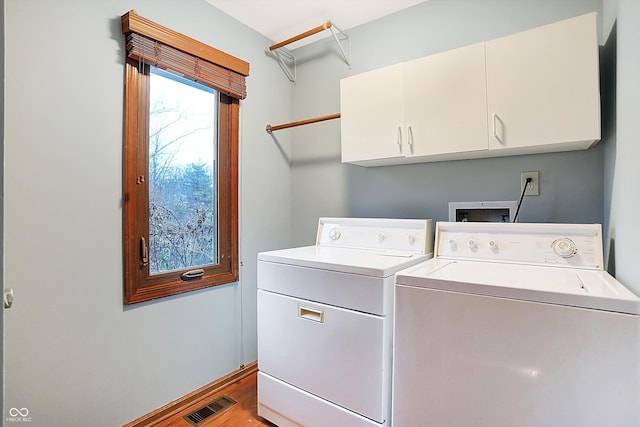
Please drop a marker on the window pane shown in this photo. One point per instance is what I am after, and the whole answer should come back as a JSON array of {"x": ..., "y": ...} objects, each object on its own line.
[{"x": 182, "y": 173}]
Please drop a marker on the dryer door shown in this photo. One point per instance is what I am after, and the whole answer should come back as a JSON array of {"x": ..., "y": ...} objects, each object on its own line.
[{"x": 315, "y": 347}]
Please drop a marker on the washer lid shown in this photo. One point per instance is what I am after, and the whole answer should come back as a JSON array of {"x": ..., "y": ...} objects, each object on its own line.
[
  {"x": 376, "y": 263},
  {"x": 554, "y": 285}
]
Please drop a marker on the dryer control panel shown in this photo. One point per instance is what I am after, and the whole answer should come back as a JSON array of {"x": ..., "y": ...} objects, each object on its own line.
[
  {"x": 570, "y": 245},
  {"x": 400, "y": 236}
]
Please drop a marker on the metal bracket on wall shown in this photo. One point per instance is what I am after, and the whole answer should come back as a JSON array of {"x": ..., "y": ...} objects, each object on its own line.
[{"x": 287, "y": 61}]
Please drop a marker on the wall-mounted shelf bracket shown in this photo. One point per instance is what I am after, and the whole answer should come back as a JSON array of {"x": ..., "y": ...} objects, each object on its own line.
[{"x": 287, "y": 61}]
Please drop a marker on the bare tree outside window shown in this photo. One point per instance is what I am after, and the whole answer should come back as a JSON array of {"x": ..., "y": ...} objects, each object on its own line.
[{"x": 182, "y": 191}]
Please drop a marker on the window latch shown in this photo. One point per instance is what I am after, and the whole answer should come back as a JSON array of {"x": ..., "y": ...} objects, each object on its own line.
[
  {"x": 192, "y": 274},
  {"x": 144, "y": 253}
]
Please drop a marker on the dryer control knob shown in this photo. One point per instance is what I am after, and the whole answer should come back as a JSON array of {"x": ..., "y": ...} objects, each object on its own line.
[
  {"x": 334, "y": 234},
  {"x": 412, "y": 239},
  {"x": 472, "y": 244},
  {"x": 493, "y": 245},
  {"x": 564, "y": 247},
  {"x": 382, "y": 237},
  {"x": 453, "y": 244}
]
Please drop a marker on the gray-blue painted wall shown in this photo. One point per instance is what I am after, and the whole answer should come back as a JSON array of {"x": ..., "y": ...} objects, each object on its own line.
[
  {"x": 571, "y": 187},
  {"x": 74, "y": 356},
  {"x": 621, "y": 168}
]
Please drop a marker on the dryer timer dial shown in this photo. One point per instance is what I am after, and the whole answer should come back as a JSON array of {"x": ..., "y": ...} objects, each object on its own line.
[
  {"x": 334, "y": 234},
  {"x": 564, "y": 247}
]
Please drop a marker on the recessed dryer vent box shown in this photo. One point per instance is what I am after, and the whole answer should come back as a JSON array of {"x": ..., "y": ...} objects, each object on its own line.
[{"x": 482, "y": 211}]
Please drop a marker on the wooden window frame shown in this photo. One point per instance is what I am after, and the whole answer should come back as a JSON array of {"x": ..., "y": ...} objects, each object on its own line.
[{"x": 139, "y": 284}]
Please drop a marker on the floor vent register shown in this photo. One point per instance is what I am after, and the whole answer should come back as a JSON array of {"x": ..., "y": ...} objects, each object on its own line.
[{"x": 209, "y": 410}]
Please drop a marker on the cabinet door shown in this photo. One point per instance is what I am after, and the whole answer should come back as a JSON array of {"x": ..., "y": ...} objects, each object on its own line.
[
  {"x": 445, "y": 103},
  {"x": 372, "y": 115},
  {"x": 543, "y": 87}
]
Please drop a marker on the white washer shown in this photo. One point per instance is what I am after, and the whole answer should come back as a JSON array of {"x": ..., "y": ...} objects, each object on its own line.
[
  {"x": 325, "y": 322},
  {"x": 515, "y": 325}
]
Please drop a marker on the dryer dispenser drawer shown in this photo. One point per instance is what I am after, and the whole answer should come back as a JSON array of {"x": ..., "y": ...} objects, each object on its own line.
[{"x": 334, "y": 353}]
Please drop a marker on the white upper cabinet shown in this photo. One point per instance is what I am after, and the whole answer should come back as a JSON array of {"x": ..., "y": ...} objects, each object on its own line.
[
  {"x": 543, "y": 88},
  {"x": 371, "y": 115},
  {"x": 531, "y": 92},
  {"x": 445, "y": 107},
  {"x": 432, "y": 106}
]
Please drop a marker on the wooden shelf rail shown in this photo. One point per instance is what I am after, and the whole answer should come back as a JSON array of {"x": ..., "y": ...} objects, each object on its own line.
[
  {"x": 271, "y": 129},
  {"x": 301, "y": 36},
  {"x": 288, "y": 62}
]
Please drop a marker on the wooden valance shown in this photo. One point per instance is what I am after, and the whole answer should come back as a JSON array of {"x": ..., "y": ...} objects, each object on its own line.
[{"x": 156, "y": 45}]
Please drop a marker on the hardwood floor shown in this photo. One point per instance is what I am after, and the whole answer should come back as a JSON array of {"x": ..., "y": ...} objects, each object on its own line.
[{"x": 243, "y": 413}]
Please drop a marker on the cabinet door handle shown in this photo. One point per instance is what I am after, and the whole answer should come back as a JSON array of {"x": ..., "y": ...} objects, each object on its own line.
[
  {"x": 410, "y": 138},
  {"x": 496, "y": 120},
  {"x": 399, "y": 138}
]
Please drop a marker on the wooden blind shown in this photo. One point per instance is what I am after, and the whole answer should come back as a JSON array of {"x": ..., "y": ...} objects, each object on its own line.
[{"x": 156, "y": 45}]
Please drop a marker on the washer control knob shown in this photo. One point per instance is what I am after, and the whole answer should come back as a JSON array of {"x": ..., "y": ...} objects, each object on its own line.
[
  {"x": 382, "y": 237},
  {"x": 472, "y": 244},
  {"x": 334, "y": 234},
  {"x": 453, "y": 244},
  {"x": 493, "y": 245},
  {"x": 564, "y": 247},
  {"x": 412, "y": 239}
]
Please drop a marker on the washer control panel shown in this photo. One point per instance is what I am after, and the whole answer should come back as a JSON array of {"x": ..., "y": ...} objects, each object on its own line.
[
  {"x": 401, "y": 236},
  {"x": 571, "y": 245}
]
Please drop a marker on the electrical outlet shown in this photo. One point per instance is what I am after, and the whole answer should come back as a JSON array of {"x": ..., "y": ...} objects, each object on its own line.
[{"x": 533, "y": 188}]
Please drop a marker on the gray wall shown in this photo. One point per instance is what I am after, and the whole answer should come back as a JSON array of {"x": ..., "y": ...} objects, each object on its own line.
[
  {"x": 74, "y": 355},
  {"x": 2, "y": 195},
  {"x": 622, "y": 172},
  {"x": 608, "y": 68},
  {"x": 571, "y": 183}
]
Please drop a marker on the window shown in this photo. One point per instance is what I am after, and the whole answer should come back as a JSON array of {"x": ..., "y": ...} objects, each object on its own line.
[{"x": 180, "y": 162}]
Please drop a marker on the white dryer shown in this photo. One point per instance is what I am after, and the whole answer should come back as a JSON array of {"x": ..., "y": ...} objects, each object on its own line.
[
  {"x": 515, "y": 325},
  {"x": 325, "y": 322}
]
